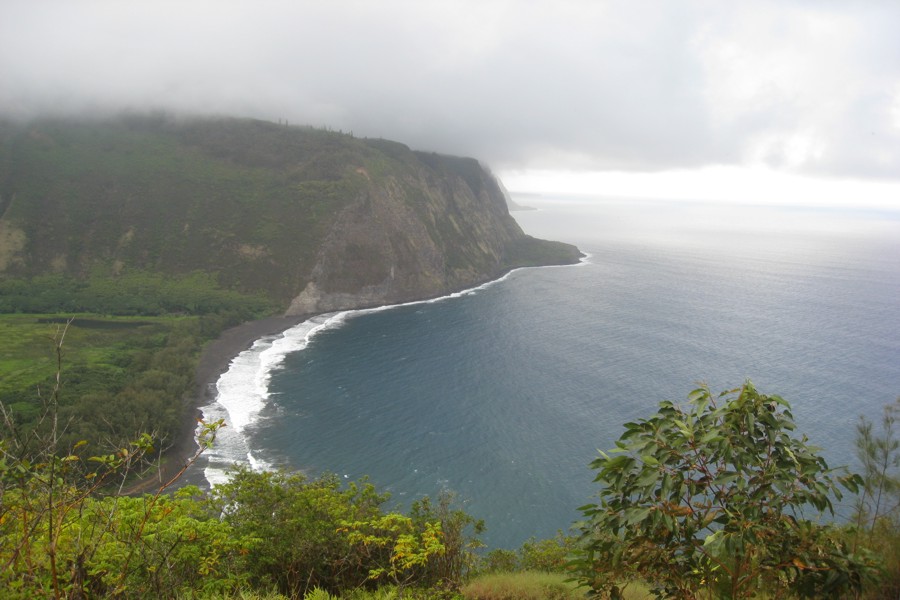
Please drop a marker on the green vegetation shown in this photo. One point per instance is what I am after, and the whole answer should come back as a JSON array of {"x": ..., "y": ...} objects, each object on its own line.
[
  {"x": 123, "y": 374},
  {"x": 131, "y": 352},
  {"x": 134, "y": 293},
  {"x": 315, "y": 534},
  {"x": 527, "y": 250},
  {"x": 245, "y": 201},
  {"x": 127, "y": 244},
  {"x": 120, "y": 375},
  {"x": 736, "y": 529},
  {"x": 713, "y": 500},
  {"x": 546, "y": 556},
  {"x": 210, "y": 223}
]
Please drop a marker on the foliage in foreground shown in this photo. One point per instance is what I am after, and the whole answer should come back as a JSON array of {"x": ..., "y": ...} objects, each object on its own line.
[
  {"x": 711, "y": 499},
  {"x": 318, "y": 534},
  {"x": 877, "y": 519},
  {"x": 703, "y": 501},
  {"x": 549, "y": 555},
  {"x": 66, "y": 529},
  {"x": 65, "y": 534}
]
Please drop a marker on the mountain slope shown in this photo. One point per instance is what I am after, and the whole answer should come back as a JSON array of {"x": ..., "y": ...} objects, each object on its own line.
[{"x": 314, "y": 220}]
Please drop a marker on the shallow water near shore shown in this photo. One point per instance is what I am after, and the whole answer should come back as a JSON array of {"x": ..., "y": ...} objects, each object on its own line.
[{"x": 505, "y": 394}]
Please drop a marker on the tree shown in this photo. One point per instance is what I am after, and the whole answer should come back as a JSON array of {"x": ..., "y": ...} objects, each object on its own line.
[
  {"x": 712, "y": 499},
  {"x": 396, "y": 549},
  {"x": 459, "y": 537},
  {"x": 296, "y": 527},
  {"x": 61, "y": 512},
  {"x": 880, "y": 458},
  {"x": 877, "y": 516},
  {"x": 164, "y": 547}
]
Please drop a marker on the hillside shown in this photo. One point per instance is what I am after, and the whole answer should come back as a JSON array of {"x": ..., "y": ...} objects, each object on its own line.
[
  {"x": 312, "y": 220},
  {"x": 214, "y": 222}
]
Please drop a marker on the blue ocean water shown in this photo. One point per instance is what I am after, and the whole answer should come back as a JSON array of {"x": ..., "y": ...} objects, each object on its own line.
[{"x": 504, "y": 394}]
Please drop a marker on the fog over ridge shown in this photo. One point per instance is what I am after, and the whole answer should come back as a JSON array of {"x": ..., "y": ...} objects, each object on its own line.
[{"x": 798, "y": 86}]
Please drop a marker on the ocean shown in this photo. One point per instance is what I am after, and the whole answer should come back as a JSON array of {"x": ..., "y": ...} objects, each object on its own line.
[{"x": 503, "y": 394}]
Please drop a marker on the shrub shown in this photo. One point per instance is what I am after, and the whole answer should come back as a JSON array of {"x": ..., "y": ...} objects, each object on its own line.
[
  {"x": 714, "y": 496},
  {"x": 877, "y": 520},
  {"x": 548, "y": 555},
  {"x": 499, "y": 560}
]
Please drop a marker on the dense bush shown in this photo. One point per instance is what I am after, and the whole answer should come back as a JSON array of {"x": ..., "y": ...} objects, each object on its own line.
[
  {"x": 61, "y": 535},
  {"x": 319, "y": 534},
  {"x": 130, "y": 294},
  {"x": 297, "y": 524},
  {"x": 703, "y": 501},
  {"x": 132, "y": 379},
  {"x": 715, "y": 496},
  {"x": 551, "y": 555}
]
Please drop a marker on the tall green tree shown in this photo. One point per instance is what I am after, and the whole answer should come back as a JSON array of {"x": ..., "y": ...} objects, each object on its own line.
[
  {"x": 300, "y": 528},
  {"x": 717, "y": 498}
]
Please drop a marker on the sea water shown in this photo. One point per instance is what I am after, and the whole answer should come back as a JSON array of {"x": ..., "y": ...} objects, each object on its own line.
[{"x": 504, "y": 394}]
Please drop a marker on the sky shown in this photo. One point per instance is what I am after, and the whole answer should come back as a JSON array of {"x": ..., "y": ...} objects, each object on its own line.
[{"x": 769, "y": 101}]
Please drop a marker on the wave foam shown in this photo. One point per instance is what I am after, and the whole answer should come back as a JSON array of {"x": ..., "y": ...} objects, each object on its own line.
[
  {"x": 243, "y": 390},
  {"x": 242, "y": 393}
]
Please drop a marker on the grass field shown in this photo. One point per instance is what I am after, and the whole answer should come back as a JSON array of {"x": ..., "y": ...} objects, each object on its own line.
[
  {"x": 531, "y": 585},
  {"x": 111, "y": 368},
  {"x": 28, "y": 344}
]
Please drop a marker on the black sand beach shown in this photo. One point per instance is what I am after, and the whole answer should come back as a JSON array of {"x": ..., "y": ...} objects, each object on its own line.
[{"x": 214, "y": 360}]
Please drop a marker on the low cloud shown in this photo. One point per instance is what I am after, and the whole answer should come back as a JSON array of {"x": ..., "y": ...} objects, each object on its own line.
[{"x": 809, "y": 87}]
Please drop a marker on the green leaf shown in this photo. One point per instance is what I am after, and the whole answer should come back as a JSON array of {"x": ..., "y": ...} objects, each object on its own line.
[
  {"x": 714, "y": 435},
  {"x": 635, "y": 515}
]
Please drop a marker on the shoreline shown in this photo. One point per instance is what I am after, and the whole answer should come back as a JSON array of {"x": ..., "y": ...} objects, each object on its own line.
[{"x": 215, "y": 359}]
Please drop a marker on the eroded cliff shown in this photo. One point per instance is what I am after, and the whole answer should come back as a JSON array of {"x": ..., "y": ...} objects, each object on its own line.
[
  {"x": 437, "y": 225},
  {"x": 316, "y": 220}
]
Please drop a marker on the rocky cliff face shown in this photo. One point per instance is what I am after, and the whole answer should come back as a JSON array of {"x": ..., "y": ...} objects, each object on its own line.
[
  {"x": 318, "y": 221},
  {"x": 415, "y": 234}
]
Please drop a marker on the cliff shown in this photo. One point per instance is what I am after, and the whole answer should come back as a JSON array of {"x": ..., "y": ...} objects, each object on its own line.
[{"x": 315, "y": 220}]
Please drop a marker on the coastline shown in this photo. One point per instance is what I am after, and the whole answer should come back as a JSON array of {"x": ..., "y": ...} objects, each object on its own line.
[
  {"x": 214, "y": 360},
  {"x": 218, "y": 354}
]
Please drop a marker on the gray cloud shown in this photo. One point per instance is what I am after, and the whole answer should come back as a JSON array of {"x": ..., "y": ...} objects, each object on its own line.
[{"x": 646, "y": 85}]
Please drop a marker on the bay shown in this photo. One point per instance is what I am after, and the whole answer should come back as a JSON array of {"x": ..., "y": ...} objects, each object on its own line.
[{"x": 504, "y": 394}]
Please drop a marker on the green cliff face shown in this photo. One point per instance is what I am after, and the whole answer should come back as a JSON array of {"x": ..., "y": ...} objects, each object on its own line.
[{"x": 315, "y": 220}]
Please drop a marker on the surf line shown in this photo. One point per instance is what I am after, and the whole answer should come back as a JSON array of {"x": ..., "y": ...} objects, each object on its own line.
[{"x": 242, "y": 391}]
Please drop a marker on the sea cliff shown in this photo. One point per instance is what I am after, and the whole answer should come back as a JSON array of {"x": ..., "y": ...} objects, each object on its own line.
[
  {"x": 313, "y": 220},
  {"x": 204, "y": 224}
]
